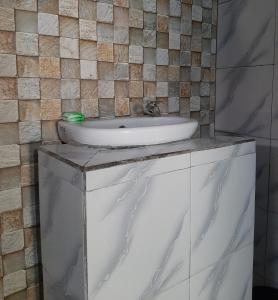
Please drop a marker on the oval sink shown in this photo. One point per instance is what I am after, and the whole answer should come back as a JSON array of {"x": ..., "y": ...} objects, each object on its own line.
[{"x": 121, "y": 132}]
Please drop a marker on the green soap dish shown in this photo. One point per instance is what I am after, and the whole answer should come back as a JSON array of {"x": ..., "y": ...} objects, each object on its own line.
[{"x": 73, "y": 117}]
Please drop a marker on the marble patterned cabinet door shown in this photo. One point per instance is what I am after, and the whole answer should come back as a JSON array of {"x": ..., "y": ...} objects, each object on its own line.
[
  {"x": 138, "y": 239},
  {"x": 222, "y": 224}
]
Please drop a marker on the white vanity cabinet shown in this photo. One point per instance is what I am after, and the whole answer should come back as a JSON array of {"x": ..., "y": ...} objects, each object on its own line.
[{"x": 174, "y": 226}]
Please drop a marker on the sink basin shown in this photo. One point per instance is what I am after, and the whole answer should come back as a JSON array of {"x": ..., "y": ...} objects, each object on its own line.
[{"x": 122, "y": 132}]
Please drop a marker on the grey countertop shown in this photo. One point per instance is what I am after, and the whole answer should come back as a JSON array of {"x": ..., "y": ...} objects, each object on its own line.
[{"x": 89, "y": 158}]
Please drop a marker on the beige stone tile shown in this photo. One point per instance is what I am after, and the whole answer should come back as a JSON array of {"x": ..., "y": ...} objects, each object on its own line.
[
  {"x": 70, "y": 89},
  {"x": 11, "y": 221},
  {"x": 105, "y": 89},
  {"x": 26, "y": 21},
  {"x": 48, "y": 6},
  {"x": 27, "y": 44},
  {"x": 87, "y": 10},
  {"x": 136, "y": 89},
  {"x": 105, "y": 52},
  {"x": 28, "y": 66},
  {"x": 89, "y": 107},
  {"x": 69, "y": 27},
  {"x": 48, "y": 24},
  {"x": 8, "y": 65},
  {"x": 49, "y": 67},
  {"x": 28, "y": 88},
  {"x": 9, "y": 156},
  {"x": 50, "y": 88},
  {"x": 70, "y": 68},
  {"x": 7, "y": 42},
  {"x": 136, "y": 106},
  {"x": 8, "y": 89},
  {"x": 7, "y": 19},
  {"x": 49, "y": 131},
  {"x": 51, "y": 109},
  {"x": 12, "y": 241},
  {"x": 122, "y": 3},
  {"x": 10, "y": 199},
  {"x": 69, "y": 48},
  {"x": 8, "y": 133},
  {"x": 29, "y": 110},
  {"x": 136, "y": 54},
  {"x": 26, "y": 5},
  {"x": 33, "y": 278},
  {"x": 89, "y": 89},
  {"x": 14, "y": 282},
  {"x": 88, "y": 50},
  {"x": 29, "y": 131},
  {"x": 88, "y": 29},
  {"x": 31, "y": 236},
  {"x": 28, "y": 175},
  {"x": 30, "y": 196},
  {"x": 120, "y": 53},
  {"x": 22, "y": 295},
  {"x": 31, "y": 257},
  {"x": 14, "y": 261},
  {"x": 122, "y": 107},
  {"x": 106, "y": 108},
  {"x": 49, "y": 46},
  {"x": 68, "y": 8},
  {"x": 9, "y": 178},
  {"x": 105, "y": 71},
  {"x": 88, "y": 69},
  {"x": 8, "y": 111}
]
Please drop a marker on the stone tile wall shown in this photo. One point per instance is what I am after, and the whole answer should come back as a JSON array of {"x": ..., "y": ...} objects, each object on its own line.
[{"x": 104, "y": 58}]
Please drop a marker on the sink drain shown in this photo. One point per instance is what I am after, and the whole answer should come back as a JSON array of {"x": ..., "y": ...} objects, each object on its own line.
[{"x": 122, "y": 126}]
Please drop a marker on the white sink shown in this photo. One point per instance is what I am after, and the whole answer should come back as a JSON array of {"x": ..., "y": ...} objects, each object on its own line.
[{"x": 128, "y": 131}]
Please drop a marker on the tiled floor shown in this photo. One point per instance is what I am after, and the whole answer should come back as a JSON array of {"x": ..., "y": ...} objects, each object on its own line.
[{"x": 265, "y": 293}]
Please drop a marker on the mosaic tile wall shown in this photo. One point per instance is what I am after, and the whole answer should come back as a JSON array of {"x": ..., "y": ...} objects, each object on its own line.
[{"x": 104, "y": 58}]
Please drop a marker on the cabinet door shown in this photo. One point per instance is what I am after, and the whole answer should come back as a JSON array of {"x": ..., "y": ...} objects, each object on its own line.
[{"x": 138, "y": 239}]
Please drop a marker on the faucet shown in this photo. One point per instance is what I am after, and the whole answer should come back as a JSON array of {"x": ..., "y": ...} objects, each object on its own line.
[{"x": 152, "y": 109}]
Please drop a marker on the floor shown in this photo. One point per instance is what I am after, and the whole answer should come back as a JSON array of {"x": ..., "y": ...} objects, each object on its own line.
[{"x": 265, "y": 293}]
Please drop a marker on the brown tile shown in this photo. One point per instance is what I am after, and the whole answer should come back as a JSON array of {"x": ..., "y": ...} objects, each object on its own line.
[
  {"x": 51, "y": 109},
  {"x": 162, "y": 23},
  {"x": 89, "y": 107},
  {"x": 9, "y": 178},
  {"x": 196, "y": 59},
  {"x": 9, "y": 134},
  {"x": 33, "y": 276},
  {"x": 162, "y": 73},
  {"x": 163, "y": 7},
  {"x": 136, "y": 89},
  {"x": 122, "y": 3},
  {"x": 8, "y": 89},
  {"x": 136, "y": 18},
  {"x": 105, "y": 71},
  {"x": 135, "y": 72},
  {"x": 11, "y": 220},
  {"x": 29, "y": 110},
  {"x": 121, "y": 16},
  {"x": 49, "y": 131},
  {"x": 174, "y": 73},
  {"x": 87, "y": 10},
  {"x": 88, "y": 50},
  {"x": 69, "y": 27},
  {"x": 106, "y": 107},
  {"x": 185, "y": 106},
  {"x": 49, "y": 46},
  {"x": 29, "y": 153},
  {"x": 120, "y": 53},
  {"x": 70, "y": 68},
  {"x": 31, "y": 236},
  {"x": 13, "y": 262},
  {"x": 34, "y": 293},
  {"x": 22, "y": 295},
  {"x": 49, "y": 67},
  {"x": 28, "y": 175},
  {"x": 89, "y": 89},
  {"x": 122, "y": 89},
  {"x": 7, "y": 42},
  {"x": 136, "y": 106},
  {"x": 162, "y": 40},
  {"x": 149, "y": 89},
  {"x": 50, "y": 88},
  {"x": 48, "y": 6},
  {"x": 26, "y": 5},
  {"x": 122, "y": 107},
  {"x": 105, "y": 52},
  {"x": 28, "y": 66},
  {"x": 7, "y": 19},
  {"x": 185, "y": 89},
  {"x": 71, "y": 105}
]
